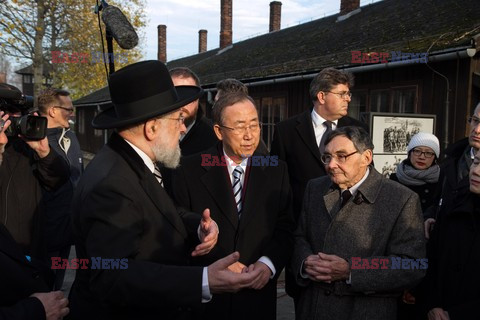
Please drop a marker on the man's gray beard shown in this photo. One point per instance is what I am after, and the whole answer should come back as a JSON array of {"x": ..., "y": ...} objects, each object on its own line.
[{"x": 169, "y": 158}]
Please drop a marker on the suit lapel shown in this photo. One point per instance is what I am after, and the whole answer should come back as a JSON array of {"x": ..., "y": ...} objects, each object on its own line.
[
  {"x": 332, "y": 202},
  {"x": 255, "y": 186},
  {"x": 149, "y": 183},
  {"x": 162, "y": 201},
  {"x": 307, "y": 134},
  {"x": 218, "y": 184}
]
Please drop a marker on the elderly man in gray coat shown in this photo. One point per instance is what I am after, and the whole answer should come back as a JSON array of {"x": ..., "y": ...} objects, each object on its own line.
[{"x": 360, "y": 240}]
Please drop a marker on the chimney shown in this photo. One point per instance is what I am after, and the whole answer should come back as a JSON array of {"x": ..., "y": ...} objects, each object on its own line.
[
  {"x": 275, "y": 15},
  {"x": 347, "y": 6},
  {"x": 3, "y": 77},
  {"x": 202, "y": 41},
  {"x": 225, "y": 23},
  {"x": 162, "y": 43}
]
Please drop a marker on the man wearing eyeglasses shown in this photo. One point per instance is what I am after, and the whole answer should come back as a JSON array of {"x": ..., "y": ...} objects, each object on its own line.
[
  {"x": 454, "y": 179},
  {"x": 56, "y": 105},
  {"x": 249, "y": 197},
  {"x": 354, "y": 224},
  {"x": 300, "y": 140}
]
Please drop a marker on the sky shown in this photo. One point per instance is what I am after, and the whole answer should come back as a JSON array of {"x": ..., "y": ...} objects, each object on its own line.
[{"x": 184, "y": 18}]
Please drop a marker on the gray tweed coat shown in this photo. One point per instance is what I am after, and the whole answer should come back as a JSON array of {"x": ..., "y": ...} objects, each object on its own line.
[{"x": 383, "y": 221}]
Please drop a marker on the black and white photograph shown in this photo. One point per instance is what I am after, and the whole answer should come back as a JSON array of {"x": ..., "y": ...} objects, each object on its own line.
[
  {"x": 391, "y": 133},
  {"x": 386, "y": 164}
]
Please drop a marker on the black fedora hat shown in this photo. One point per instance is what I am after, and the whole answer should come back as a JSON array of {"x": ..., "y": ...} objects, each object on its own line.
[{"x": 142, "y": 91}]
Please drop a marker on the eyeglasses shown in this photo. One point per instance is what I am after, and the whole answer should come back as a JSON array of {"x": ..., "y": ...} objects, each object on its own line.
[
  {"x": 427, "y": 154},
  {"x": 342, "y": 95},
  {"x": 474, "y": 121},
  {"x": 241, "y": 130},
  {"x": 340, "y": 158},
  {"x": 69, "y": 110},
  {"x": 181, "y": 120}
]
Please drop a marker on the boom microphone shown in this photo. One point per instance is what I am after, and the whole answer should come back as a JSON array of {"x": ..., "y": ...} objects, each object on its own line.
[{"x": 121, "y": 30}]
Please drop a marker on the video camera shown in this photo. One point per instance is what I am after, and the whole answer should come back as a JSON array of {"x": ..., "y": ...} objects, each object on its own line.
[{"x": 29, "y": 126}]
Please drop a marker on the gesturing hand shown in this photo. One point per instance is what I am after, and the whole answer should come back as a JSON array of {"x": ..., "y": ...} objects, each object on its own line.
[
  {"x": 208, "y": 235},
  {"x": 221, "y": 279}
]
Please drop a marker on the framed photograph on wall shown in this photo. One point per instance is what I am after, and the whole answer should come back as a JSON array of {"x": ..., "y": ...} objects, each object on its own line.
[{"x": 391, "y": 133}]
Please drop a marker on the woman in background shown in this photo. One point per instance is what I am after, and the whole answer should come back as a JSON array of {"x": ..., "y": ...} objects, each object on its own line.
[{"x": 419, "y": 172}]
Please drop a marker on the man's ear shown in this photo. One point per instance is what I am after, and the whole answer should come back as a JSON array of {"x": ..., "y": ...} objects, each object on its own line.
[
  {"x": 151, "y": 129},
  {"x": 367, "y": 157},
  {"x": 52, "y": 112},
  {"x": 218, "y": 132},
  {"x": 321, "y": 97}
]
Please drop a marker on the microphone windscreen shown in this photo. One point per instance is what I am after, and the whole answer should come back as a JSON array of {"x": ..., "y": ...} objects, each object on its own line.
[{"x": 121, "y": 29}]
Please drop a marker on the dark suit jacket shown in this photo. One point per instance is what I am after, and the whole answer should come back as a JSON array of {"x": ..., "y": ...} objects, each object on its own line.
[
  {"x": 383, "y": 221},
  {"x": 264, "y": 228},
  {"x": 294, "y": 142},
  {"x": 19, "y": 279},
  {"x": 120, "y": 211}
]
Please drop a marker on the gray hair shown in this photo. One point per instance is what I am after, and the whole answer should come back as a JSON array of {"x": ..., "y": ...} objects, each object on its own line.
[{"x": 359, "y": 137}]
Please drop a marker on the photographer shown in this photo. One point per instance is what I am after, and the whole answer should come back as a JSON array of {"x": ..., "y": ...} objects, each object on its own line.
[
  {"x": 23, "y": 293},
  {"x": 30, "y": 167},
  {"x": 56, "y": 106}
]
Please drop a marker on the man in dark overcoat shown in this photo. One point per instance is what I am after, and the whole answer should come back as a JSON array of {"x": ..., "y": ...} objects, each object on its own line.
[
  {"x": 249, "y": 197},
  {"x": 123, "y": 217}
]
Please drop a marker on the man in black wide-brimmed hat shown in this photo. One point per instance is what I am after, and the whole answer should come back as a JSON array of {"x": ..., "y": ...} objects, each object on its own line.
[{"x": 136, "y": 240}]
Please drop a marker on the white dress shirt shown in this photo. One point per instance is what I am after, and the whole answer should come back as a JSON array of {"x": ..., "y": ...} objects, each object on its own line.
[{"x": 318, "y": 126}]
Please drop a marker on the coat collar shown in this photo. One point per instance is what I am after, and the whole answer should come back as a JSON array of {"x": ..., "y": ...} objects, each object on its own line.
[
  {"x": 368, "y": 192},
  {"x": 149, "y": 183},
  {"x": 217, "y": 182},
  {"x": 305, "y": 130}
]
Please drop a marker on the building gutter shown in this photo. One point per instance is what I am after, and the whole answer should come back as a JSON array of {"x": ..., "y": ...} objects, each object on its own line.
[{"x": 448, "y": 54}]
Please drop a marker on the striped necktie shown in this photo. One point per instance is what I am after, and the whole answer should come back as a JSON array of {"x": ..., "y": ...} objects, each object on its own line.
[
  {"x": 158, "y": 175},
  {"x": 237, "y": 188}
]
